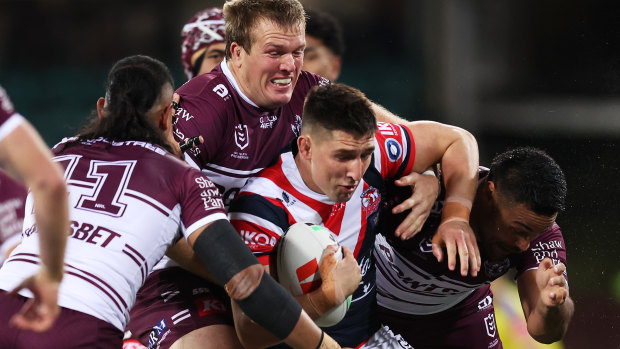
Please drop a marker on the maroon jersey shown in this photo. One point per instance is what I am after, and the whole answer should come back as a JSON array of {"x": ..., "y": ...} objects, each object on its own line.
[
  {"x": 12, "y": 199},
  {"x": 432, "y": 306},
  {"x": 240, "y": 138}
]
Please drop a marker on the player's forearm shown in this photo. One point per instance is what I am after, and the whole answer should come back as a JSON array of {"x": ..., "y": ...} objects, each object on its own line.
[
  {"x": 459, "y": 166},
  {"x": 183, "y": 254},
  {"x": 28, "y": 155},
  {"x": 385, "y": 115},
  {"x": 250, "y": 334},
  {"x": 51, "y": 214},
  {"x": 548, "y": 324}
]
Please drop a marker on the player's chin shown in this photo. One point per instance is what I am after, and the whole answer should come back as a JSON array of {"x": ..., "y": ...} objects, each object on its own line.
[{"x": 343, "y": 197}]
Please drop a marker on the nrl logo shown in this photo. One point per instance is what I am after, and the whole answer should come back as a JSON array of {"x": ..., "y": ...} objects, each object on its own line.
[
  {"x": 489, "y": 321},
  {"x": 242, "y": 138}
]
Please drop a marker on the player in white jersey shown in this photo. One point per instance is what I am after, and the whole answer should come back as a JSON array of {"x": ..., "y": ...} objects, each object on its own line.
[
  {"x": 334, "y": 176},
  {"x": 131, "y": 199},
  {"x": 25, "y": 155},
  {"x": 513, "y": 216}
]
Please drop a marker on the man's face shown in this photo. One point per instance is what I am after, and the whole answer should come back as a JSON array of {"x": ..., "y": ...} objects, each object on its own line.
[
  {"x": 510, "y": 228},
  {"x": 269, "y": 72},
  {"x": 338, "y": 163},
  {"x": 320, "y": 60},
  {"x": 214, "y": 54}
]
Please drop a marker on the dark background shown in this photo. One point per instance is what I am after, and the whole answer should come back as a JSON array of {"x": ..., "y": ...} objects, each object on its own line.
[{"x": 545, "y": 74}]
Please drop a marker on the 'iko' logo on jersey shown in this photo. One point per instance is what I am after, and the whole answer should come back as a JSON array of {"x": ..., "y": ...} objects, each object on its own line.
[
  {"x": 221, "y": 90},
  {"x": 242, "y": 137},
  {"x": 393, "y": 148}
]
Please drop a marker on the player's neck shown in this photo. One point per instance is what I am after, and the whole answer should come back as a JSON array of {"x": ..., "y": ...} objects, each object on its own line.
[{"x": 305, "y": 172}]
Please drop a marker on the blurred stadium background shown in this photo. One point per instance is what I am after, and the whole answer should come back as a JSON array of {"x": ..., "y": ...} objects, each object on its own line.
[{"x": 545, "y": 74}]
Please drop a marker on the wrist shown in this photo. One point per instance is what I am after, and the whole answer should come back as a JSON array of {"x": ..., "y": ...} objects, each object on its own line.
[
  {"x": 456, "y": 209},
  {"x": 316, "y": 312}
]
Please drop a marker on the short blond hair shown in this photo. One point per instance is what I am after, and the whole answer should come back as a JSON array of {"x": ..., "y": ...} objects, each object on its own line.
[{"x": 241, "y": 17}]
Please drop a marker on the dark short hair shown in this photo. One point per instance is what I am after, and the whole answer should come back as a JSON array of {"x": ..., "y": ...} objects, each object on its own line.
[
  {"x": 133, "y": 86},
  {"x": 325, "y": 27},
  {"x": 529, "y": 176},
  {"x": 339, "y": 107},
  {"x": 241, "y": 17}
]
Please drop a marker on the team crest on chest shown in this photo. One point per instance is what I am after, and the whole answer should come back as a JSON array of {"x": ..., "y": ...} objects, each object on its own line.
[
  {"x": 370, "y": 200},
  {"x": 494, "y": 270},
  {"x": 296, "y": 125},
  {"x": 242, "y": 137}
]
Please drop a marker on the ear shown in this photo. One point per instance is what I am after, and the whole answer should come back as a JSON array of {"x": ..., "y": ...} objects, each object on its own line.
[
  {"x": 165, "y": 119},
  {"x": 491, "y": 191},
  {"x": 236, "y": 51},
  {"x": 100, "y": 106},
  {"x": 304, "y": 143},
  {"x": 336, "y": 66}
]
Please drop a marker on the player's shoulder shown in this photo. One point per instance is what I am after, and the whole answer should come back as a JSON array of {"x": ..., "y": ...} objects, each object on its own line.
[
  {"x": 552, "y": 234},
  {"x": 307, "y": 80}
]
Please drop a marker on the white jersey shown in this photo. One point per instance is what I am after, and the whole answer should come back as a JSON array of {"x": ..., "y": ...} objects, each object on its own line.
[
  {"x": 129, "y": 201},
  {"x": 278, "y": 197}
]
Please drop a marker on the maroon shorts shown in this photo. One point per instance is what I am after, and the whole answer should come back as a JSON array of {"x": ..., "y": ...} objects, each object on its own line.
[
  {"x": 469, "y": 324},
  {"x": 72, "y": 329},
  {"x": 172, "y": 303}
]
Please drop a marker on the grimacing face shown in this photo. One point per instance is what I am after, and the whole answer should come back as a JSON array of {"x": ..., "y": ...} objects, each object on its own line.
[
  {"x": 338, "y": 163},
  {"x": 269, "y": 72},
  {"x": 510, "y": 228}
]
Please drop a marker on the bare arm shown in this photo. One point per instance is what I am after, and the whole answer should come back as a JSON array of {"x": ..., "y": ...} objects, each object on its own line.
[
  {"x": 385, "y": 115},
  {"x": 546, "y": 304},
  {"x": 253, "y": 290},
  {"x": 25, "y": 154},
  {"x": 457, "y": 152},
  {"x": 340, "y": 279}
]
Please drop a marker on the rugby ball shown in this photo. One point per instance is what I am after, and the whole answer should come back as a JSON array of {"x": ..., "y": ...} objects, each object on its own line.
[{"x": 299, "y": 256}]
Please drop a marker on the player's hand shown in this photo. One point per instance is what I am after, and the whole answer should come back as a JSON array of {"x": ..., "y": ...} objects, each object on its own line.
[
  {"x": 339, "y": 278},
  {"x": 425, "y": 190},
  {"x": 457, "y": 237},
  {"x": 38, "y": 313},
  {"x": 551, "y": 283}
]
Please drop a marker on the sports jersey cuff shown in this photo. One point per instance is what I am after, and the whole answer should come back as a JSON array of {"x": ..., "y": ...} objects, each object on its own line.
[
  {"x": 10, "y": 124},
  {"x": 202, "y": 222}
]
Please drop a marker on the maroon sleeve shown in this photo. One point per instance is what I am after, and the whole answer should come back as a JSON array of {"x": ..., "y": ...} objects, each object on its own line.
[{"x": 549, "y": 244}]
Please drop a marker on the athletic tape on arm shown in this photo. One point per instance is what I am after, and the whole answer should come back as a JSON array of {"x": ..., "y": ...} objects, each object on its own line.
[{"x": 223, "y": 252}]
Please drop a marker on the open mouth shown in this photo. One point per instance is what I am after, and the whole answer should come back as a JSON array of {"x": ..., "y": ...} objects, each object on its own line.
[{"x": 282, "y": 82}]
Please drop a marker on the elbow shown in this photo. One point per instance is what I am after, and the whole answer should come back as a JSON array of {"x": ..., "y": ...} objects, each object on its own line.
[{"x": 548, "y": 338}]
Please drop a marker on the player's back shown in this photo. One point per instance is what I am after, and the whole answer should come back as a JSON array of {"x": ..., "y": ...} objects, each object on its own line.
[{"x": 125, "y": 210}]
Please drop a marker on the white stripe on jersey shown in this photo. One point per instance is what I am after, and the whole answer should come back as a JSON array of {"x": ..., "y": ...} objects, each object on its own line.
[
  {"x": 232, "y": 170},
  {"x": 352, "y": 218},
  {"x": 10, "y": 124},
  {"x": 204, "y": 221},
  {"x": 180, "y": 316},
  {"x": 394, "y": 287},
  {"x": 233, "y": 82}
]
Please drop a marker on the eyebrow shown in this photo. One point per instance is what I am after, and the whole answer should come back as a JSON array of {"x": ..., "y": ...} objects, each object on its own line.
[
  {"x": 526, "y": 227},
  {"x": 215, "y": 50}
]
